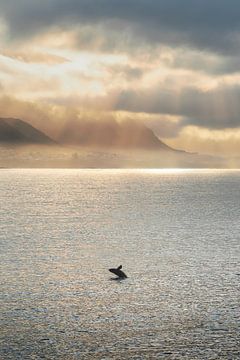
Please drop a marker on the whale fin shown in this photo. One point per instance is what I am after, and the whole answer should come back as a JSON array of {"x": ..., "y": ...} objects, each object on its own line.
[{"x": 118, "y": 272}]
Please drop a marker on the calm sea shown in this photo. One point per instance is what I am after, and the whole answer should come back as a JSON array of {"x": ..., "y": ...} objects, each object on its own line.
[{"x": 177, "y": 235}]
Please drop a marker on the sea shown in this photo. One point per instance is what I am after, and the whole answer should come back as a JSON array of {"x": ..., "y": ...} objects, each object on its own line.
[{"x": 175, "y": 232}]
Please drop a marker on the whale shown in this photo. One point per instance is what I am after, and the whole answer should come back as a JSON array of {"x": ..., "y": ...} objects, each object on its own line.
[{"x": 118, "y": 272}]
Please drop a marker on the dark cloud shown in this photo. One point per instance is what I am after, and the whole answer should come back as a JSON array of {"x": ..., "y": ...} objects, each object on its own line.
[
  {"x": 203, "y": 24},
  {"x": 215, "y": 109},
  {"x": 204, "y": 62}
]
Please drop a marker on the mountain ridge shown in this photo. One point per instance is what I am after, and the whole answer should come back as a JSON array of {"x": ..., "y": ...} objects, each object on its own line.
[
  {"x": 128, "y": 134},
  {"x": 108, "y": 134},
  {"x": 17, "y": 131}
]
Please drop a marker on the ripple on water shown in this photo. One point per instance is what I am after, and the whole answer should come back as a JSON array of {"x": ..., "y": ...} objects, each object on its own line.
[{"x": 177, "y": 236}]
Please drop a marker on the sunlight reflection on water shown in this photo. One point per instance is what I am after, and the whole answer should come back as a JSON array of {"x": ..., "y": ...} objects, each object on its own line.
[{"x": 176, "y": 234}]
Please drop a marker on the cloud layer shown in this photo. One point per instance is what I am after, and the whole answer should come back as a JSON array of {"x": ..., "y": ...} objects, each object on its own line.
[
  {"x": 205, "y": 24},
  {"x": 171, "y": 64},
  {"x": 215, "y": 109}
]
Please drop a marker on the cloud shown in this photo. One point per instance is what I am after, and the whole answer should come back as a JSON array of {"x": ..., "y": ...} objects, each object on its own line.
[
  {"x": 202, "y": 24},
  {"x": 30, "y": 56},
  {"x": 217, "y": 108},
  {"x": 202, "y": 35},
  {"x": 198, "y": 61},
  {"x": 116, "y": 83},
  {"x": 172, "y": 64},
  {"x": 216, "y": 142}
]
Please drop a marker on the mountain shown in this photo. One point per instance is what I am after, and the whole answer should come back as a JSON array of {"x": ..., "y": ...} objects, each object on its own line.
[
  {"x": 112, "y": 134},
  {"x": 15, "y": 131},
  {"x": 109, "y": 134}
]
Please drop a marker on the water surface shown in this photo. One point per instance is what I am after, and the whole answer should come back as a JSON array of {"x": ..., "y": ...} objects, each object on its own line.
[{"x": 177, "y": 235}]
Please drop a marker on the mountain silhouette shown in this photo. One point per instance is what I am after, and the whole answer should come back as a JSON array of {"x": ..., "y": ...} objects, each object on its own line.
[
  {"x": 16, "y": 131},
  {"x": 111, "y": 134},
  {"x": 128, "y": 134}
]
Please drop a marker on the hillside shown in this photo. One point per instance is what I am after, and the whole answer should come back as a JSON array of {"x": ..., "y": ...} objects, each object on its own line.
[
  {"x": 15, "y": 131},
  {"x": 112, "y": 134},
  {"x": 90, "y": 134}
]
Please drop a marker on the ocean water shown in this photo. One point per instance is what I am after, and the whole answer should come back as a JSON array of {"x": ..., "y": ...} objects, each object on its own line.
[{"x": 177, "y": 235}]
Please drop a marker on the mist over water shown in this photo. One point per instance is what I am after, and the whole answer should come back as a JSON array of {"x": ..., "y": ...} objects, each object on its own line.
[{"x": 177, "y": 235}]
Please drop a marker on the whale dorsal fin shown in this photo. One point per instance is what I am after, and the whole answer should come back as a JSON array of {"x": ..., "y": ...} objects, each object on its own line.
[{"x": 119, "y": 268}]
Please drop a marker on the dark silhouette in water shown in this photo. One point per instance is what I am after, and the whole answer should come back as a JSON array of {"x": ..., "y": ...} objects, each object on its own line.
[{"x": 119, "y": 272}]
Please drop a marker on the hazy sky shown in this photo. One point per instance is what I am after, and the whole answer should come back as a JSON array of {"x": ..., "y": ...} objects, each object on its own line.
[{"x": 175, "y": 64}]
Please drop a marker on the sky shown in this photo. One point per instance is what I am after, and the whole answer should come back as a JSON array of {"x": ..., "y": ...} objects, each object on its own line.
[{"x": 175, "y": 65}]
